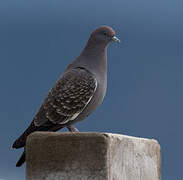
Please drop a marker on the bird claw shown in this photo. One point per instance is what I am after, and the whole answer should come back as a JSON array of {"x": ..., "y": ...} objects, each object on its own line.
[{"x": 71, "y": 128}]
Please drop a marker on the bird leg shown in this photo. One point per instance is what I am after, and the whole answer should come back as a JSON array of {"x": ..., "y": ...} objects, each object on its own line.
[{"x": 71, "y": 128}]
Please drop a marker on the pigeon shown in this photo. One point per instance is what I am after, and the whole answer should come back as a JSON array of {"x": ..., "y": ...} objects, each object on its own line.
[{"x": 78, "y": 91}]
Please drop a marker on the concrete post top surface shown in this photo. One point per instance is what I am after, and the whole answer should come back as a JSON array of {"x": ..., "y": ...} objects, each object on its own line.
[{"x": 40, "y": 135}]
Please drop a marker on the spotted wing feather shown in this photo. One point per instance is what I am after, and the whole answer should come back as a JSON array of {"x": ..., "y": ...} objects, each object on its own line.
[{"x": 67, "y": 99}]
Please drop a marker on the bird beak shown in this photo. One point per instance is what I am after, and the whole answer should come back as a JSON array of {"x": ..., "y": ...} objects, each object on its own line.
[{"x": 114, "y": 38}]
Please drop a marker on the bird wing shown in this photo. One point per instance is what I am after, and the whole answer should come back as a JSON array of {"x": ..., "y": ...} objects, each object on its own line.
[{"x": 68, "y": 97}]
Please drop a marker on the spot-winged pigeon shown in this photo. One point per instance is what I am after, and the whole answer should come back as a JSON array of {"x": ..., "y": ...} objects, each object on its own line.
[{"x": 77, "y": 93}]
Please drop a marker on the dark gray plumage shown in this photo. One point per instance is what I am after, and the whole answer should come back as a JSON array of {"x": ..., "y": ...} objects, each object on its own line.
[
  {"x": 77, "y": 93},
  {"x": 67, "y": 98}
]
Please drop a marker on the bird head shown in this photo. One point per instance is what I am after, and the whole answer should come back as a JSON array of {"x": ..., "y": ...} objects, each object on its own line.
[{"x": 103, "y": 35}]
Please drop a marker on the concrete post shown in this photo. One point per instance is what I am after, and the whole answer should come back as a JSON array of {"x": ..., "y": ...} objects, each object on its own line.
[{"x": 91, "y": 156}]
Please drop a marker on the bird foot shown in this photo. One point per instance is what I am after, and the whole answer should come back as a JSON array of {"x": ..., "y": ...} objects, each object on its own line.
[{"x": 71, "y": 128}]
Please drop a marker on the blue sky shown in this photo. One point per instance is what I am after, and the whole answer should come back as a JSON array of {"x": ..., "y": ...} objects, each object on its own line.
[{"x": 38, "y": 39}]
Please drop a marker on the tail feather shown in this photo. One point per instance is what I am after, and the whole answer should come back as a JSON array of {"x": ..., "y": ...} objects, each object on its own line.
[
  {"x": 21, "y": 160},
  {"x": 20, "y": 142}
]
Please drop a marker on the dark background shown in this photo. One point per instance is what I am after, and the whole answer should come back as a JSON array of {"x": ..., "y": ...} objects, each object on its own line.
[{"x": 39, "y": 38}]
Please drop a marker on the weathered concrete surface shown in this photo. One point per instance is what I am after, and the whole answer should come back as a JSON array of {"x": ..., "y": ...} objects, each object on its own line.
[{"x": 91, "y": 156}]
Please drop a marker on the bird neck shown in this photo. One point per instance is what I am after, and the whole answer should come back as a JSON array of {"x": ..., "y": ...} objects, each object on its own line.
[
  {"x": 97, "y": 53},
  {"x": 94, "y": 49}
]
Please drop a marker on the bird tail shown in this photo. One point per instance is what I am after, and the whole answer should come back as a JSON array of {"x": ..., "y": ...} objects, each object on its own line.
[
  {"x": 20, "y": 142},
  {"x": 21, "y": 160}
]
